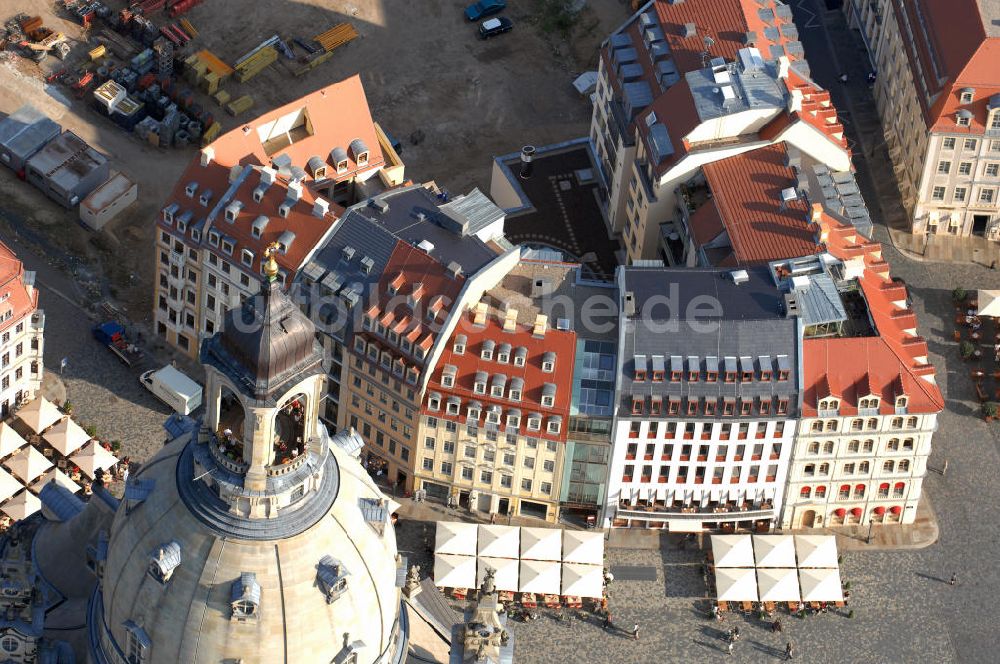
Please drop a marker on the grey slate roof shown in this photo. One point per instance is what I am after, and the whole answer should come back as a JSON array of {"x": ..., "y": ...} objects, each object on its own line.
[
  {"x": 60, "y": 500},
  {"x": 473, "y": 211},
  {"x": 752, "y": 91},
  {"x": 687, "y": 313},
  {"x": 245, "y": 588},
  {"x": 26, "y": 130}
]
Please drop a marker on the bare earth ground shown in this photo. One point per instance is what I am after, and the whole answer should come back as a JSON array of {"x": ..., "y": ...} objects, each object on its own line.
[{"x": 423, "y": 69}]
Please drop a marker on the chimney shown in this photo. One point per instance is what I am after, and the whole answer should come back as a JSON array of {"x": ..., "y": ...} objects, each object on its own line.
[
  {"x": 540, "y": 287},
  {"x": 294, "y": 191},
  {"x": 207, "y": 155},
  {"x": 690, "y": 30},
  {"x": 783, "y": 64},
  {"x": 510, "y": 320},
  {"x": 541, "y": 325},
  {"x": 750, "y": 38},
  {"x": 267, "y": 176},
  {"x": 795, "y": 101},
  {"x": 479, "y": 315},
  {"x": 739, "y": 276},
  {"x": 527, "y": 154},
  {"x": 629, "y": 303},
  {"x": 321, "y": 207}
]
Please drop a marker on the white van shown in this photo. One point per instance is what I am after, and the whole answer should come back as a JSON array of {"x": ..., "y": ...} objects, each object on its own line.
[{"x": 173, "y": 388}]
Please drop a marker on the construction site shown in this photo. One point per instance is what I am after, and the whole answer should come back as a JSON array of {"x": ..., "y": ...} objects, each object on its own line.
[{"x": 149, "y": 82}]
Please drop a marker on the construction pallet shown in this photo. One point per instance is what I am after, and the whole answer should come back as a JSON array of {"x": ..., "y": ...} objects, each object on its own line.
[
  {"x": 312, "y": 64},
  {"x": 221, "y": 97},
  {"x": 214, "y": 64},
  {"x": 186, "y": 24},
  {"x": 254, "y": 65},
  {"x": 122, "y": 47},
  {"x": 211, "y": 133},
  {"x": 336, "y": 36},
  {"x": 240, "y": 105}
]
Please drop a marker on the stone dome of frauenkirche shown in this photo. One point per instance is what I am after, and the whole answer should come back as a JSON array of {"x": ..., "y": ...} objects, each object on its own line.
[{"x": 253, "y": 537}]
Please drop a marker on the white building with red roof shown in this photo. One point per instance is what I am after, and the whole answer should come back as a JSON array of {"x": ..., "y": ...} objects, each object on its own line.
[
  {"x": 284, "y": 177},
  {"x": 21, "y": 326},
  {"x": 870, "y": 398}
]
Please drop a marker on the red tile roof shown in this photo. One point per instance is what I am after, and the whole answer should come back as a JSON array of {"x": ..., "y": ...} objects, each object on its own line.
[
  {"x": 335, "y": 116},
  {"x": 411, "y": 271},
  {"x": 560, "y": 342},
  {"x": 706, "y": 224},
  {"x": 17, "y": 299},
  {"x": 747, "y": 192},
  {"x": 897, "y": 354},
  {"x": 817, "y": 108},
  {"x": 725, "y": 21}
]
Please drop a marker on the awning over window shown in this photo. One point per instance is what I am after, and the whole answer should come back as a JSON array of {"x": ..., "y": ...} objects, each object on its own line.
[
  {"x": 896, "y": 509},
  {"x": 856, "y": 512},
  {"x": 880, "y": 510},
  {"x": 841, "y": 512}
]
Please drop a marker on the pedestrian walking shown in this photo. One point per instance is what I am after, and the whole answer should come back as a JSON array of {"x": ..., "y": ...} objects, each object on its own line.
[
  {"x": 493, "y": 517},
  {"x": 607, "y": 620},
  {"x": 635, "y": 631},
  {"x": 954, "y": 580},
  {"x": 788, "y": 650},
  {"x": 776, "y": 626},
  {"x": 730, "y": 647},
  {"x": 63, "y": 363}
]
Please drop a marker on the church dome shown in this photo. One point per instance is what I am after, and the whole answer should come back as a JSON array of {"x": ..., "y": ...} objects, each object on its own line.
[{"x": 180, "y": 586}]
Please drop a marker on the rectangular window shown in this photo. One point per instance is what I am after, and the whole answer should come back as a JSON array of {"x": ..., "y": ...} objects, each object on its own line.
[
  {"x": 986, "y": 195},
  {"x": 446, "y": 467},
  {"x": 992, "y": 170},
  {"x": 948, "y": 143},
  {"x": 960, "y": 194},
  {"x": 428, "y": 464},
  {"x": 970, "y": 144},
  {"x": 965, "y": 168},
  {"x": 944, "y": 167}
]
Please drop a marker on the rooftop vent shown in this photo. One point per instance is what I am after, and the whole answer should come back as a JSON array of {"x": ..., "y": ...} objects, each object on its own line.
[
  {"x": 320, "y": 208},
  {"x": 740, "y": 276},
  {"x": 367, "y": 265},
  {"x": 207, "y": 155},
  {"x": 205, "y": 197},
  {"x": 563, "y": 324},
  {"x": 380, "y": 204},
  {"x": 283, "y": 164},
  {"x": 689, "y": 30},
  {"x": 347, "y": 253},
  {"x": 749, "y": 37},
  {"x": 267, "y": 176},
  {"x": 791, "y": 305},
  {"x": 540, "y": 286},
  {"x": 789, "y": 194},
  {"x": 425, "y": 246},
  {"x": 629, "y": 303},
  {"x": 298, "y": 174},
  {"x": 190, "y": 189},
  {"x": 294, "y": 191},
  {"x": 235, "y": 172},
  {"x": 527, "y": 155},
  {"x": 454, "y": 269}
]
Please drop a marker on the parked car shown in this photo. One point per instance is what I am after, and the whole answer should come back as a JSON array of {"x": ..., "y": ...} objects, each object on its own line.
[
  {"x": 478, "y": 10},
  {"x": 495, "y": 26}
]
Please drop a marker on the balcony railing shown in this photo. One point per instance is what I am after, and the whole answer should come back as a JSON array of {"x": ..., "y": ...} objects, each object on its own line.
[{"x": 693, "y": 513}]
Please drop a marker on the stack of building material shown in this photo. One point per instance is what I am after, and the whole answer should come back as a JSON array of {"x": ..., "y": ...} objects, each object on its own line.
[
  {"x": 221, "y": 97},
  {"x": 164, "y": 56},
  {"x": 336, "y": 36},
  {"x": 211, "y": 133},
  {"x": 256, "y": 63},
  {"x": 98, "y": 53},
  {"x": 186, "y": 24},
  {"x": 240, "y": 105}
]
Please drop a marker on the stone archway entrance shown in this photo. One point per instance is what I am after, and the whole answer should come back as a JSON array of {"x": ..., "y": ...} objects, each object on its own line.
[{"x": 808, "y": 519}]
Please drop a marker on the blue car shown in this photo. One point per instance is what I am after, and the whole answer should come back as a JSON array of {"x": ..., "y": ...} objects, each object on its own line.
[{"x": 483, "y": 8}]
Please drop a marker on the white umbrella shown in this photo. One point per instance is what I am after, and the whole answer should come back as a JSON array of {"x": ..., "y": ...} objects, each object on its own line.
[
  {"x": 451, "y": 571},
  {"x": 774, "y": 550},
  {"x": 778, "y": 584},
  {"x": 455, "y": 537},
  {"x": 539, "y": 576},
  {"x": 10, "y": 440},
  {"x": 821, "y": 585},
  {"x": 8, "y": 485},
  {"x": 66, "y": 436},
  {"x": 989, "y": 303},
  {"x": 505, "y": 577},
  {"x": 499, "y": 541},
  {"x": 732, "y": 550},
  {"x": 21, "y": 506},
  {"x": 39, "y": 414},
  {"x": 583, "y": 546},
  {"x": 736, "y": 584},
  {"x": 816, "y": 550},
  {"x": 541, "y": 543},
  {"x": 91, "y": 457},
  {"x": 28, "y": 464},
  {"x": 60, "y": 478},
  {"x": 582, "y": 580}
]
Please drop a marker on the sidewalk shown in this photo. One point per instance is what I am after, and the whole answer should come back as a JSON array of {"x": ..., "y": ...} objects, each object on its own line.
[
  {"x": 856, "y": 106},
  {"x": 432, "y": 511}
]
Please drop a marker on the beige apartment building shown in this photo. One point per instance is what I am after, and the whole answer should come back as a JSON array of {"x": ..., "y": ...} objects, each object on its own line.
[
  {"x": 283, "y": 178},
  {"x": 937, "y": 90}
]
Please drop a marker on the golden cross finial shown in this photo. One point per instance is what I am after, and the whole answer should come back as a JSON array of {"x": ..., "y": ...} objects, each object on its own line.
[{"x": 271, "y": 265}]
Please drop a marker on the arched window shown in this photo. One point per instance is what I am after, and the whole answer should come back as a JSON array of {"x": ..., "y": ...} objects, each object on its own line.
[
  {"x": 857, "y": 424},
  {"x": 899, "y": 489},
  {"x": 911, "y": 423},
  {"x": 821, "y": 492},
  {"x": 869, "y": 446},
  {"x": 805, "y": 492},
  {"x": 872, "y": 424},
  {"x": 864, "y": 467},
  {"x": 817, "y": 425},
  {"x": 883, "y": 490},
  {"x": 824, "y": 469},
  {"x": 828, "y": 447},
  {"x": 892, "y": 445},
  {"x": 809, "y": 470},
  {"x": 854, "y": 446},
  {"x": 859, "y": 491},
  {"x": 831, "y": 425},
  {"x": 813, "y": 448}
]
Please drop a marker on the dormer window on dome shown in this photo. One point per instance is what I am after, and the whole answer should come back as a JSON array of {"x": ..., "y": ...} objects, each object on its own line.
[
  {"x": 331, "y": 575},
  {"x": 164, "y": 560},
  {"x": 245, "y": 598}
]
